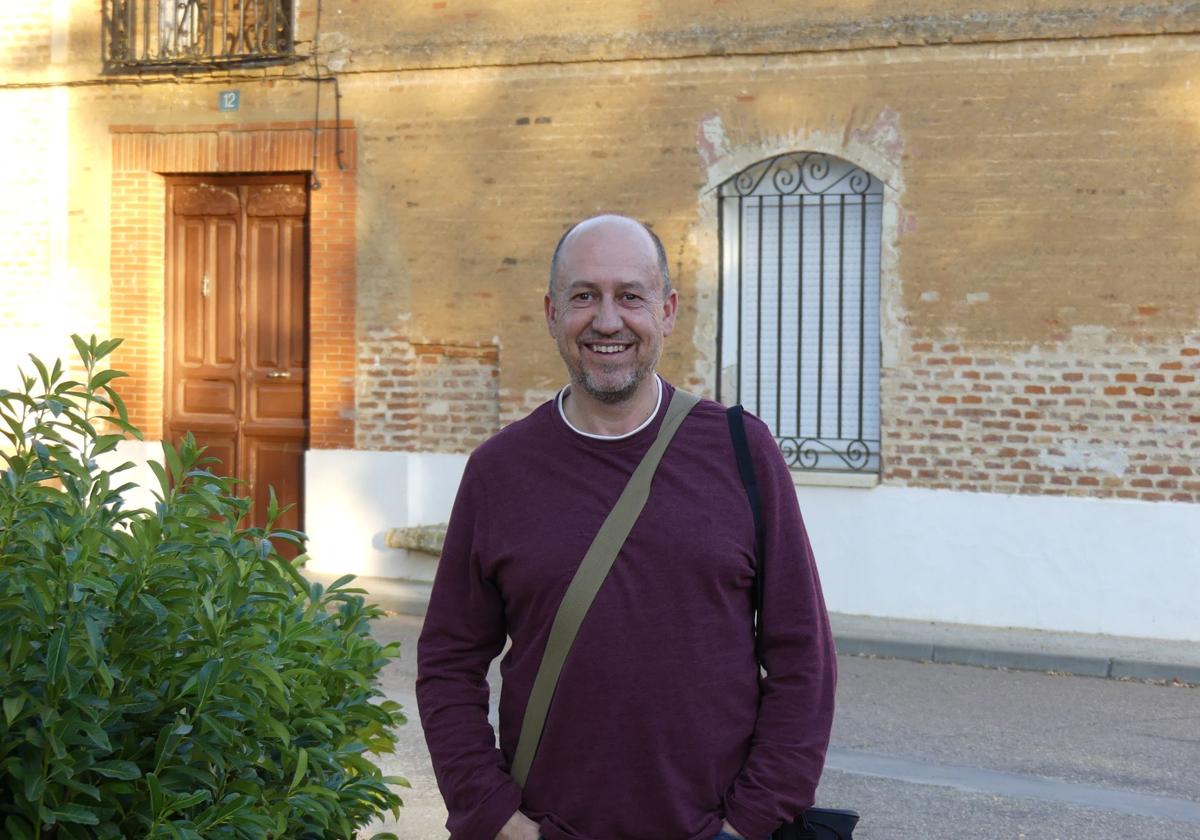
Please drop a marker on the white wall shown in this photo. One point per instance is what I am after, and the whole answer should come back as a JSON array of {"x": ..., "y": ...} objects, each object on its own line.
[
  {"x": 353, "y": 497},
  {"x": 139, "y": 453},
  {"x": 1085, "y": 565}
]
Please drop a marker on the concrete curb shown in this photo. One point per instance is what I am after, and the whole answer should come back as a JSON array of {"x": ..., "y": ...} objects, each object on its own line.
[
  {"x": 1018, "y": 660},
  {"x": 988, "y": 648}
]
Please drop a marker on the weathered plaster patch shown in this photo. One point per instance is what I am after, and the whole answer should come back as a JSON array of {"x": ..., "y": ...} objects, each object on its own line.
[
  {"x": 930, "y": 297},
  {"x": 711, "y": 142},
  {"x": 978, "y": 297},
  {"x": 884, "y": 134},
  {"x": 336, "y": 49},
  {"x": 1088, "y": 457}
]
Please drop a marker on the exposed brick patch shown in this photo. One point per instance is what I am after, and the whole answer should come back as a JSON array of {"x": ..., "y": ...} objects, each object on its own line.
[
  {"x": 1049, "y": 421},
  {"x": 514, "y": 405},
  {"x": 427, "y": 397}
]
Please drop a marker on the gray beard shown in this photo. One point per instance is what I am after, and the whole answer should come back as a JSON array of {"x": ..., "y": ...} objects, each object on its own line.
[{"x": 611, "y": 397}]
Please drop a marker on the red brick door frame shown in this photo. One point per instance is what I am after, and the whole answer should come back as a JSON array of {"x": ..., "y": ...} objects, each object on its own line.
[{"x": 142, "y": 157}]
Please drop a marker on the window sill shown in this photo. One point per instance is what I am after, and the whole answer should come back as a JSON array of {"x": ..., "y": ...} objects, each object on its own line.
[{"x": 828, "y": 478}]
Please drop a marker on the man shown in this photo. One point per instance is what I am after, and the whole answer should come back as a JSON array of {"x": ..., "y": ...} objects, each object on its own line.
[{"x": 660, "y": 727}]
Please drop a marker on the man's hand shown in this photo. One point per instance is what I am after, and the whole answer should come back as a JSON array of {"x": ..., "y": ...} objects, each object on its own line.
[
  {"x": 728, "y": 829},
  {"x": 519, "y": 827}
]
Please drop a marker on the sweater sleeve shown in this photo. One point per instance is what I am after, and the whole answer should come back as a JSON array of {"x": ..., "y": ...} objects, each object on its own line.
[
  {"x": 464, "y": 631},
  {"x": 780, "y": 775}
]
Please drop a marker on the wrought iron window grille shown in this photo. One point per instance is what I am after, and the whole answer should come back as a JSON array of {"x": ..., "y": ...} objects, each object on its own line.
[
  {"x": 798, "y": 325},
  {"x": 196, "y": 34}
]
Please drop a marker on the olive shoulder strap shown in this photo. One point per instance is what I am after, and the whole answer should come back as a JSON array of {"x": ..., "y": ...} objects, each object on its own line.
[{"x": 587, "y": 581}]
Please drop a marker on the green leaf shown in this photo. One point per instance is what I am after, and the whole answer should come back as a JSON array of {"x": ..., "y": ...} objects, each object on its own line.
[
  {"x": 90, "y": 791},
  {"x": 106, "y": 443},
  {"x": 173, "y": 461},
  {"x": 42, "y": 371},
  {"x": 117, "y": 769},
  {"x": 156, "y": 796},
  {"x": 339, "y": 583},
  {"x": 164, "y": 482},
  {"x": 56, "y": 655},
  {"x": 96, "y": 735},
  {"x": 57, "y": 747},
  {"x": 190, "y": 800},
  {"x": 75, "y": 814},
  {"x": 16, "y": 828},
  {"x": 99, "y": 380},
  {"x": 154, "y": 605},
  {"x": 81, "y": 347},
  {"x": 301, "y": 769},
  {"x": 117, "y": 403},
  {"x": 35, "y": 784},
  {"x": 12, "y": 707},
  {"x": 106, "y": 347}
]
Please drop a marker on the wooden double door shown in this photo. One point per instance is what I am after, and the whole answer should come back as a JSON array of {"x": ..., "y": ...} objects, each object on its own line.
[{"x": 237, "y": 329}]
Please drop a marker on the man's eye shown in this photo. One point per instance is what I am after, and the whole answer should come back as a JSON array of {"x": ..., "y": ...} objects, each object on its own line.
[{"x": 583, "y": 296}]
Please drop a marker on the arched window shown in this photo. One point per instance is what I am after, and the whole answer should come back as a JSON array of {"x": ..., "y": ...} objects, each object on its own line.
[{"x": 799, "y": 319}]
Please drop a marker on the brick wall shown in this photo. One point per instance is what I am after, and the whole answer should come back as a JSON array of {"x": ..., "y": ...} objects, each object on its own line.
[
  {"x": 1101, "y": 417},
  {"x": 1035, "y": 186},
  {"x": 137, "y": 314},
  {"x": 426, "y": 397},
  {"x": 25, "y": 34}
]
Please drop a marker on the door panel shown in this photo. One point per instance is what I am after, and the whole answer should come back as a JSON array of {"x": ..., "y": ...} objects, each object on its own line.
[
  {"x": 203, "y": 389},
  {"x": 237, "y": 367},
  {"x": 279, "y": 464},
  {"x": 274, "y": 425}
]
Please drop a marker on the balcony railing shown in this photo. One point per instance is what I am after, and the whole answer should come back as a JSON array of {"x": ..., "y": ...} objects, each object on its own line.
[{"x": 195, "y": 34}]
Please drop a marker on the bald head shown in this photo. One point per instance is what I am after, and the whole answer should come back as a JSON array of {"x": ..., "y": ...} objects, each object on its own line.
[{"x": 612, "y": 224}]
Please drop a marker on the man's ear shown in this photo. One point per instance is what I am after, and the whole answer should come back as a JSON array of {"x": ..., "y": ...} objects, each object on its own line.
[
  {"x": 551, "y": 313},
  {"x": 670, "y": 307}
]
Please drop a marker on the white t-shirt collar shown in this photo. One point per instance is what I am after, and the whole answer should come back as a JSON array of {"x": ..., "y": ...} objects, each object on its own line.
[{"x": 657, "y": 405}]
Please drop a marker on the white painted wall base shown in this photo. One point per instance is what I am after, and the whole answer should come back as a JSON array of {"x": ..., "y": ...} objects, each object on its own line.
[
  {"x": 352, "y": 498},
  {"x": 1047, "y": 562},
  {"x": 139, "y": 453}
]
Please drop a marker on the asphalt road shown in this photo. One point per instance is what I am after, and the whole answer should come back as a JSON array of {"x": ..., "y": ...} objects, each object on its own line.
[{"x": 949, "y": 752}]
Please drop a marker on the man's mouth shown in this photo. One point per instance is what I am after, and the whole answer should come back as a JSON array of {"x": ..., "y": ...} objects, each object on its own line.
[{"x": 608, "y": 349}]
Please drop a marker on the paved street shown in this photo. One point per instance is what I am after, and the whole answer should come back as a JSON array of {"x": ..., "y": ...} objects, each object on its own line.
[{"x": 947, "y": 752}]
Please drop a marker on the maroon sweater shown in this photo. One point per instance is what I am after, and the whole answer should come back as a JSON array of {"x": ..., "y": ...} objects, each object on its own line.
[{"x": 660, "y": 726}]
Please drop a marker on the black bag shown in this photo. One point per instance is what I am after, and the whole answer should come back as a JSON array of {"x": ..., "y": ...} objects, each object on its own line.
[
  {"x": 819, "y": 824},
  {"x": 815, "y": 823}
]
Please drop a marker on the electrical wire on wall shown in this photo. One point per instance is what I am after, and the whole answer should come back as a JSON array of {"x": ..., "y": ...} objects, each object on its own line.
[
  {"x": 337, "y": 104},
  {"x": 316, "y": 129}
]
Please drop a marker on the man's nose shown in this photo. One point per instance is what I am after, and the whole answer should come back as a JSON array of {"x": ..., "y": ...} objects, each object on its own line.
[{"x": 608, "y": 317}]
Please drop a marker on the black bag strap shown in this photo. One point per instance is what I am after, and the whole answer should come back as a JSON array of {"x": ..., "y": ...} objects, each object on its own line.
[
  {"x": 815, "y": 823},
  {"x": 741, "y": 449}
]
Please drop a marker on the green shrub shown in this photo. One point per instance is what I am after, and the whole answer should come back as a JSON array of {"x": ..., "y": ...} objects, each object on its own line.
[{"x": 165, "y": 673}]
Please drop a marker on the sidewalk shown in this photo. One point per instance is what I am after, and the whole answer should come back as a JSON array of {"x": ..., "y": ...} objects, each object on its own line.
[
  {"x": 424, "y": 815},
  {"x": 1114, "y": 657}
]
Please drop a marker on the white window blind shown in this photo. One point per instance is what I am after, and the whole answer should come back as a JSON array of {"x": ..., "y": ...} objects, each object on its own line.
[{"x": 800, "y": 340}]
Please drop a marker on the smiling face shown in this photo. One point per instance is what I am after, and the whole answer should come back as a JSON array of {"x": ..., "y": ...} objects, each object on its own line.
[{"x": 607, "y": 310}]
